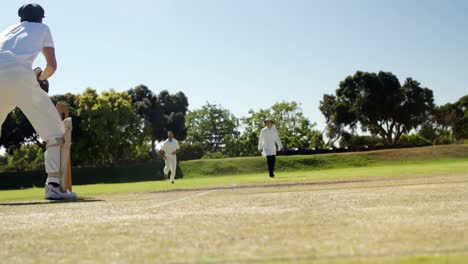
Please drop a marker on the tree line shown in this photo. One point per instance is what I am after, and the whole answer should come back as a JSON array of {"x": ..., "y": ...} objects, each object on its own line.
[
  {"x": 108, "y": 129},
  {"x": 367, "y": 110},
  {"x": 377, "y": 103}
]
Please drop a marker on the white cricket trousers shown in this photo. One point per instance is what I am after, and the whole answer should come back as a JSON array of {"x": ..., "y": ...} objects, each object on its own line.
[
  {"x": 171, "y": 166},
  {"x": 19, "y": 88}
]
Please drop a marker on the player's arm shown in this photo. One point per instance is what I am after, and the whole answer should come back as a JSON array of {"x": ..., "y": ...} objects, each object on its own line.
[
  {"x": 278, "y": 141},
  {"x": 163, "y": 154},
  {"x": 51, "y": 60},
  {"x": 163, "y": 150},
  {"x": 177, "y": 151},
  {"x": 261, "y": 138}
]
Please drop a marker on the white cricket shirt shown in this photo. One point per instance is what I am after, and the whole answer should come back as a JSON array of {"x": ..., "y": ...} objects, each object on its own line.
[
  {"x": 24, "y": 41},
  {"x": 170, "y": 146},
  {"x": 268, "y": 140}
]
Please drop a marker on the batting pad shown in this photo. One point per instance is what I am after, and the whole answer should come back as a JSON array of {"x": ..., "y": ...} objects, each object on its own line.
[{"x": 65, "y": 153}]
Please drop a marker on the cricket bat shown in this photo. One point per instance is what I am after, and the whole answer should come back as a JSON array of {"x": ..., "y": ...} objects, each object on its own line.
[{"x": 64, "y": 113}]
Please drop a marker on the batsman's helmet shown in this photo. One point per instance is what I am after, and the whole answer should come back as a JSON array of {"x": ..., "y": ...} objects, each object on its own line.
[{"x": 31, "y": 12}]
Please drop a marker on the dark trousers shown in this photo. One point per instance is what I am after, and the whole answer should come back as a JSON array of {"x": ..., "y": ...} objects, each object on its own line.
[{"x": 271, "y": 160}]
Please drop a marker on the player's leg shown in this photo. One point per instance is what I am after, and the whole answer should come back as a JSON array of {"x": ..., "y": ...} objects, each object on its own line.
[
  {"x": 166, "y": 167},
  {"x": 43, "y": 116},
  {"x": 270, "y": 165},
  {"x": 273, "y": 164},
  {"x": 173, "y": 168},
  {"x": 6, "y": 85}
]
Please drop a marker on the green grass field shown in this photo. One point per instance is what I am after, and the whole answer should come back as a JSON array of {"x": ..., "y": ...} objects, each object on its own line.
[
  {"x": 415, "y": 169},
  {"x": 414, "y": 162},
  {"x": 400, "y": 206},
  {"x": 242, "y": 166}
]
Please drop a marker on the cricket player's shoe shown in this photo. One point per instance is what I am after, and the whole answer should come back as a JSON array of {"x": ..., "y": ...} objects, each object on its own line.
[
  {"x": 172, "y": 182},
  {"x": 53, "y": 192},
  {"x": 272, "y": 175}
]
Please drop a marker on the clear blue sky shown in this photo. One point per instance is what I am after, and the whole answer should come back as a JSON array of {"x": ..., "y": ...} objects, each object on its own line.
[{"x": 249, "y": 54}]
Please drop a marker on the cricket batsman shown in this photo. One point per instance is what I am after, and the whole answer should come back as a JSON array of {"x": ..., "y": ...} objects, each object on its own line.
[
  {"x": 21, "y": 87},
  {"x": 169, "y": 149},
  {"x": 267, "y": 142}
]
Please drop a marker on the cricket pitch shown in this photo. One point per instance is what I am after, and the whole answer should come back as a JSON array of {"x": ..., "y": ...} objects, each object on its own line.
[{"x": 376, "y": 221}]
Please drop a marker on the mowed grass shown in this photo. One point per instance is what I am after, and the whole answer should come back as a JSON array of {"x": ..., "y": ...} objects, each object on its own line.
[
  {"x": 381, "y": 220},
  {"x": 415, "y": 169},
  {"x": 416, "y": 162},
  {"x": 398, "y": 206}
]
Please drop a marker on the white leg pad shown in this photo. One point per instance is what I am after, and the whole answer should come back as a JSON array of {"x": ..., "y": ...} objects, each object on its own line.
[
  {"x": 57, "y": 157},
  {"x": 52, "y": 160}
]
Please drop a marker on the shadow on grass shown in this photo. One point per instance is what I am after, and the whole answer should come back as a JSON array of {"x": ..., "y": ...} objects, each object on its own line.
[{"x": 46, "y": 202}]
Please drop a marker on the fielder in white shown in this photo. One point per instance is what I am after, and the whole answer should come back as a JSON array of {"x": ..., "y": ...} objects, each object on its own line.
[
  {"x": 170, "y": 148},
  {"x": 20, "y": 45},
  {"x": 267, "y": 142}
]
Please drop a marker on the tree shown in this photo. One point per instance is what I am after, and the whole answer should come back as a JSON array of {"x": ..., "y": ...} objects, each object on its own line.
[
  {"x": 146, "y": 105},
  {"x": 161, "y": 113},
  {"x": 356, "y": 142},
  {"x": 3, "y": 162},
  {"x": 460, "y": 124},
  {"x": 213, "y": 127},
  {"x": 316, "y": 140},
  {"x": 437, "y": 127},
  {"x": 175, "y": 108},
  {"x": 413, "y": 141},
  {"x": 335, "y": 127},
  {"x": 26, "y": 157},
  {"x": 16, "y": 131},
  {"x": 447, "y": 123},
  {"x": 114, "y": 132},
  {"x": 295, "y": 130},
  {"x": 245, "y": 145},
  {"x": 86, "y": 151},
  {"x": 379, "y": 104},
  {"x": 191, "y": 152}
]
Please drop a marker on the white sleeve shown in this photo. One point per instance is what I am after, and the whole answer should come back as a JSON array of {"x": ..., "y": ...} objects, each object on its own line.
[
  {"x": 48, "y": 41},
  {"x": 261, "y": 139},
  {"x": 177, "y": 145},
  {"x": 278, "y": 139}
]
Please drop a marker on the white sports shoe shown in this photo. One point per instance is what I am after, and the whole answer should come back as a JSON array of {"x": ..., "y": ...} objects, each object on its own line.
[{"x": 54, "y": 193}]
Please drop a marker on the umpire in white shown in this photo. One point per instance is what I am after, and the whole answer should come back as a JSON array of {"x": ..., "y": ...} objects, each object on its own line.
[{"x": 267, "y": 143}]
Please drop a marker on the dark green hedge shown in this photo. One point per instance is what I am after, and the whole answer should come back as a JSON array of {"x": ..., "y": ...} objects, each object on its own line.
[{"x": 150, "y": 171}]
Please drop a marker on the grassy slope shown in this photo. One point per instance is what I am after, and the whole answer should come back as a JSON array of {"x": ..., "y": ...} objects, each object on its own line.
[{"x": 234, "y": 166}]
